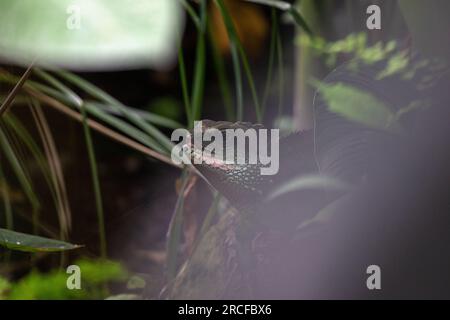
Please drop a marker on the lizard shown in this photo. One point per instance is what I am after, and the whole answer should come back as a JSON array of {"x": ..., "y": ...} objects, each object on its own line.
[{"x": 225, "y": 264}]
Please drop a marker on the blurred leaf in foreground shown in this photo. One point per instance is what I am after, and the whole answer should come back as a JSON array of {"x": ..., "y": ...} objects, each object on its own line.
[
  {"x": 309, "y": 182},
  {"x": 90, "y": 35}
]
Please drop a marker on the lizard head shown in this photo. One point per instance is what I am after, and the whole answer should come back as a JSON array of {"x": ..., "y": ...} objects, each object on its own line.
[{"x": 238, "y": 179}]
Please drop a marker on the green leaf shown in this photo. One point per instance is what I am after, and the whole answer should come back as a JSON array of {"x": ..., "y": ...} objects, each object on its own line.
[
  {"x": 308, "y": 182},
  {"x": 236, "y": 52},
  {"x": 198, "y": 86},
  {"x": 184, "y": 84},
  {"x": 191, "y": 12},
  {"x": 18, "y": 128},
  {"x": 19, "y": 171},
  {"x": 300, "y": 21},
  {"x": 116, "y": 105},
  {"x": 222, "y": 78},
  {"x": 29, "y": 243},
  {"x": 358, "y": 105},
  {"x": 85, "y": 34}
]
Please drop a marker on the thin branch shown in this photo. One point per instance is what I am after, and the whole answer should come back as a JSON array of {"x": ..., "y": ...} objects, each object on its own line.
[
  {"x": 10, "y": 98},
  {"x": 56, "y": 171}
]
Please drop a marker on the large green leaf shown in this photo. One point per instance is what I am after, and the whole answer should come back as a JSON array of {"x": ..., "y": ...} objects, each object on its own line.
[
  {"x": 29, "y": 243},
  {"x": 86, "y": 34}
]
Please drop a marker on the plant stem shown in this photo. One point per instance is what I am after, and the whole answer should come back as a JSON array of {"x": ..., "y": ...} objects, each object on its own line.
[{"x": 96, "y": 183}]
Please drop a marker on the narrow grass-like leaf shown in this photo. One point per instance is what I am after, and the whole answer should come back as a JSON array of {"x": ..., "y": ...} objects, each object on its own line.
[
  {"x": 11, "y": 96},
  {"x": 113, "y": 104},
  {"x": 299, "y": 20},
  {"x": 4, "y": 188},
  {"x": 238, "y": 83},
  {"x": 18, "y": 148},
  {"x": 99, "y": 112},
  {"x": 96, "y": 184},
  {"x": 235, "y": 44},
  {"x": 29, "y": 243},
  {"x": 124, "y": 127},
  {"x": 184, "y": 86},
  {"x": 198, "y": 85},
  {"x": 191, "y": 12},
  {"x": 56, "y": 172},
  {"x": 104, "y": 130},
  {"x": 272, "y": 49},
  {"x": 251, "y": 82},
  {"x": 147, "y": 116},
  {"x": 119, "y": 107},
  {"x": 280, "y": 74},
  {"x": 18, "y": 129},
  {"x": 224, "y": 85},
  {"x": 91, "y": 155},
  {"x": 18, "y": 170},
  {"x": 12, "y": 79},
  {"x": 235, "y": 59}
]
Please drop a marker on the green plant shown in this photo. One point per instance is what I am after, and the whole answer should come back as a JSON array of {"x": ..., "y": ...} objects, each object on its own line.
[
  {"x": 49, "y": 86},
  {"x": 53, "y": 285}
]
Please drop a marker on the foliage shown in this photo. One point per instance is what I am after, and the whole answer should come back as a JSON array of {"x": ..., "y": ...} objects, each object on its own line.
[
  {"x": 142, "y": 130},
  {"x": 358, "y": 105},
  {"x": 396, "y": 60},
  {"x": 52, "y": 285},
  {"x": 355, "y": 45},
  {"x": 143, "y": 31}
]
